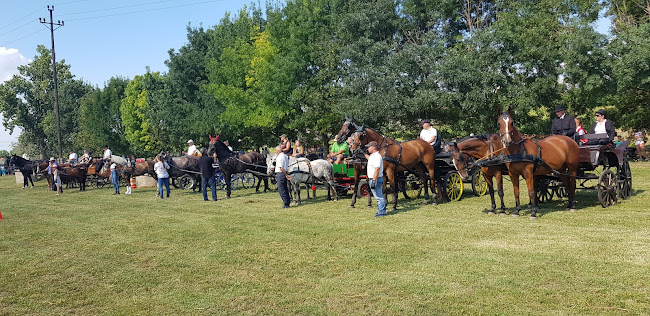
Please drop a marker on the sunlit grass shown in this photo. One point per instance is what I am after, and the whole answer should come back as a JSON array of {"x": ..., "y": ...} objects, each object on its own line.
[{"x": 95, "y": 253}]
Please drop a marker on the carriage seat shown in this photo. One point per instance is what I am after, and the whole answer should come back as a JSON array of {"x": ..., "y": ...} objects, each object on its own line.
[{"x": 443, "y": 155}]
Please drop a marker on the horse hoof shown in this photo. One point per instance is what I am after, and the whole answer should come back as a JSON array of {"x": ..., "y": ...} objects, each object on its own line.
[
  {"x": 515, "y": 214},
  {"x": 351, "y": 206},
  {"x": 492, "y": 213},
  {"x": 571, "y": 209},
  {"x": 425, "y": 202},
  {"x": 502, "y": 213},
  {"x": 532, "y": 218},
  {"x": 369, "y": 206}
]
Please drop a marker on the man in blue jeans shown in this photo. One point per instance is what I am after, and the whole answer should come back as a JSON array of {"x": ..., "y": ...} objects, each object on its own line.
[
  {"x": 281, "y": 175},
  {"x": 207, "y": 173},
  {"x": 375, "y": 172}
]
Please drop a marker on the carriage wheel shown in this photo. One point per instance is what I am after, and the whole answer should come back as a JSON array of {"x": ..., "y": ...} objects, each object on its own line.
[
  {"x": 247, "y": 180},
  {"x": 543, "y": 191},
  {"x": 561, "y": 191},
  {"x": 607, "y": 188},
  {"x": 186, "y": 182},
  {"x": 273, "y": 184},
  {"x": 363, "y": 190},
  {"x": 175, "y": 183},
  {"x": 625, "y": 180},
  {"x": 234, "y": 182},
  {"x": 453, "y": 186},
  {"x": 412, "y": 186},
  {"x": 479, "y": 185}
]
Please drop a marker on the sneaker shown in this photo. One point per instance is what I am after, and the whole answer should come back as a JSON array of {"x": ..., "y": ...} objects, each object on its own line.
[
  {"x": 115, "y": 193},
  {"x": 380, "y": 215},
  {"x": 286, "y": 206}
]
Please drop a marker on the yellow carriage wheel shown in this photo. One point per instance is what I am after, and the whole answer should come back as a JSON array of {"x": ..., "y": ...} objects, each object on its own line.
[
  {"x": 453, "y": 186},
  {"x": 479, "y": 185}
]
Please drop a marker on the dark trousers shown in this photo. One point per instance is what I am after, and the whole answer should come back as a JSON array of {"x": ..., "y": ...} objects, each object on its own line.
[
  {"x": 213, "y": 187},
  {"x": 282, "y": 188}
]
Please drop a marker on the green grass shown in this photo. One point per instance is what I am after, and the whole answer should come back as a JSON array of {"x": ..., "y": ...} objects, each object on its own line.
[{"x": 94, "y": 253}]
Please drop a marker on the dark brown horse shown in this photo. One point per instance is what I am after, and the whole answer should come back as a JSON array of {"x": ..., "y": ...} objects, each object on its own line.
[
  {"x": 559, "y": 155},
  {"x": 415, "y": 155},
  {"x": 479, "y": 147},
  {"x": 231, "y": 163}
]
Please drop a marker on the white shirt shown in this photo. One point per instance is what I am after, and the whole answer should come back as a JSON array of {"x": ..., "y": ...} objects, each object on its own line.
[
  {"x": 427, "y": 134},
  {"x": 73, "y": 156},
  {"x": 600, "y": 127},
  {"x": 375, "y": 161},
  {"x": 191, "y": 150},
  {"x": 281, "y": 161},
  {"x": 161, "y": 171},
  {"x": 107, "y": 153},
  {"x": 113, "y": 166}
]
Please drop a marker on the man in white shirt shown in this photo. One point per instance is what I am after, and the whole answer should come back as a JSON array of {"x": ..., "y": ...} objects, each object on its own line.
[
  {"x": 72, "y": 158},
  {"x": 191, "y": 150},
  {"x": 375, "y": 172},
  {"x": 281, "y": 175},
  {"x": 430, "y": 135},
  {"x": 107, "y": 153}
]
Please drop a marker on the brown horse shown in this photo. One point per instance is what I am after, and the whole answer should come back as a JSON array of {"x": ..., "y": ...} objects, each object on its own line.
[
  {"x": 481, "y": 146},
  {"x": 558, "y": 155},
  {"x": 348, "y": 128},
  {"x": 415, "y": 155}
]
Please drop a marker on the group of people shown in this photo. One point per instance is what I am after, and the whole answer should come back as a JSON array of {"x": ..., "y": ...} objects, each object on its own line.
[{"x": 570, "y": 126}]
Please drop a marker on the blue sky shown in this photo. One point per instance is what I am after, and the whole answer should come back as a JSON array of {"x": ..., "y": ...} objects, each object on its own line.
[{"x": 102, "y": 39}]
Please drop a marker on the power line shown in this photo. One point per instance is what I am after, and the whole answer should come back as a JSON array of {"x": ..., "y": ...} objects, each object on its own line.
[
  {"x": 141, "y": 11},
  {"x": 39, "y": 9},
  {"x": 15, "y": 28},
  {"x": 115, "y": 8},
  {"x": 18, "y": 39}
]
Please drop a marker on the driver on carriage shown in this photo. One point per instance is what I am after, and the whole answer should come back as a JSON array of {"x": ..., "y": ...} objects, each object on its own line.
[
  {"x": 563, "y": 124},
  {"x": 430, "y": 135},
  {"x": 72, "y": 158},
  {"x": 338, "y": 152},
  {"x": 108, "y": 154},
  {"x": 191, "y": 150}
]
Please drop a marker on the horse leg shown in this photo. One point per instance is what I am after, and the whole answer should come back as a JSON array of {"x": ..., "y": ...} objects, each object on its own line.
[
  {"x": 490, "y": 184},
  {"x": 356, "y": 187},
  {"x": 570, "y": 184},
  {"x": 393, "y": 185},
  {"x": 257, "y": 188},
  {"x": 499, "y": 177},
  {"x": 227, "y": 176},
  {"x": 515, "y": 184},
  {"x": 431, "y": 183},
  {"x": 530, "y": 183}
]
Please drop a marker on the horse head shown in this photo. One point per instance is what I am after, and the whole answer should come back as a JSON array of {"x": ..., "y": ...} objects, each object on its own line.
[
  {"x": 219, "y": 148},
  {"x": 347, "y": 129},
  {"x": 459, "y": 159},
  {"x": 506, "y": 128},
  {"x": 359, "y": 140},
  {"x": 270, "y": 164}
]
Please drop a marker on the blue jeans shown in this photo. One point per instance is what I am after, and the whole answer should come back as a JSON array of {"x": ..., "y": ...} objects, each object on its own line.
[
  {"x": 161, "y": 182},
  {"x": 283, "y": 189},
  {"x": 378, "y": 193},
  {"x": 213, "y": 187},
  {"x": 115, "y": 180}
]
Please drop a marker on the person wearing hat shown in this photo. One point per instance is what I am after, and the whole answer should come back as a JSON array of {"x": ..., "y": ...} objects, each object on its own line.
[
  {"x": 54, "y": 172},
  {"x": 375, "y": 172},
  {"x": 286, "y": 144},
  {"x": 191, "y": 150},
  {"x": 430, "y": 135},
  {"x": 602, "y": 126},
  {"x": 563, "y": 124}
]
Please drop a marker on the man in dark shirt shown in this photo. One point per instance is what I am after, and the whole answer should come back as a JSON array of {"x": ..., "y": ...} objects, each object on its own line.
[
  {"x": 207, "y": 173},
  {"x": 563, "y": 124}
]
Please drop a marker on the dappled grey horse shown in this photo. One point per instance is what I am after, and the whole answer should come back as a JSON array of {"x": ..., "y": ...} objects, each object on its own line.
[{"x": 308, "y": 172}]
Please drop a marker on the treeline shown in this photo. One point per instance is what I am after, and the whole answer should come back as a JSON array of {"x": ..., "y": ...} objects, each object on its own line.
[{"x": 300, "y": 67}]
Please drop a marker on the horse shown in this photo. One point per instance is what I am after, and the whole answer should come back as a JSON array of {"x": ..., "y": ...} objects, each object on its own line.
[
  {"x": 414, "y": 155},
  {"x": 182, "y": 165},
  {"x": 479, "y": 147},
  {"x": 304, "y": 171},
  {"x": 25, "y": 166},
  {"x": 69, "y": 174},
  {"x": 557, "y": 154},
  {"x": 231, "y": 163}
]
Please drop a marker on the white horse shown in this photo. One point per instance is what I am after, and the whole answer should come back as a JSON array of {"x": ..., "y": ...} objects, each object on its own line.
[{"x": 308, "y": 172}]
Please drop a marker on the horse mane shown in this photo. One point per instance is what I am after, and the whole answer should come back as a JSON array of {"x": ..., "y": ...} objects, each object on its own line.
[{"x": 479, "y": 136}]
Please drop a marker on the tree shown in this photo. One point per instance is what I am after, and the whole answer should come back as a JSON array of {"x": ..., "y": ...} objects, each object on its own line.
[{"x": 144, "y": 136}]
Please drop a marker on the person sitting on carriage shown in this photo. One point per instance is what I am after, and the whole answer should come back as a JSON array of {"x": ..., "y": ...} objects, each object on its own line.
[
  {"x": 286, "y": 144},
  {"x": 602, "y": 126},
  {"x": 298, "y": 150},
  {"x": 430, "y": 135},
  {"x": 108, "y": 154},
  {"x": 85, "y": 158},
  {"x": 563, "y": 124},
  {"x": 72, "y": 158},
  {"x": 191, "y": 150},
  {"x": 338, "y": 152}
]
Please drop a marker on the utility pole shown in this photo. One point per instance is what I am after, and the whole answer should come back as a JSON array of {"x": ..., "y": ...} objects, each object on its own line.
[{"x": 56, "y": 86}]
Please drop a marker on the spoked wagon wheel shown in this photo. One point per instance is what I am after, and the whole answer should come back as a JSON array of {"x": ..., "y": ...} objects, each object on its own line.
[
  {"x": 186, "y": 182},
  {"x": 412, "y": 186},
  {"x": 363, "y": 190},
  {"x": 479, "y": 185},
  {"x": 174, "y": 182},
  {"x": 625, "y": 180},
  {"x": 453, "y": 186},
  {"x": 247, "y": 180},
  {"x": 607, "y": 188},
  {"x": 560, "y": 191},
  {"x": 543, "y": 192},
  {"x": 273, "y": 184}
]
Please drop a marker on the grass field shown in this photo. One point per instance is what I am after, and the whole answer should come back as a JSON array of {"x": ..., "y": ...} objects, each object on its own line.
[{"x": 94, "y": 253}]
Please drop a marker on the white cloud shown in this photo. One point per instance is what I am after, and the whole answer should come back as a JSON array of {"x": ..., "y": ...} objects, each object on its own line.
[{"x": 10, "y": 59}]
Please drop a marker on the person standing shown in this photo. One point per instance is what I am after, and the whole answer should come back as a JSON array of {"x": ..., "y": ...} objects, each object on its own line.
[
  {"x": 375, "y": 172},
  {"x": 160, "y": 167},
  {"x": 115, "y": 179},
  {"x": 281, "y": 175},
  {"x": 430, "y": 135},
  {"x": 602, "y": 126},
  {"x": 53, "y": 170},
  {"x": 207, "y": 173}
]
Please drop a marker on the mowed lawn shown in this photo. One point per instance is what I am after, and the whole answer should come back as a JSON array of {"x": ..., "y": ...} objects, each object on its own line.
[{"x": 94, "y": 253}]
